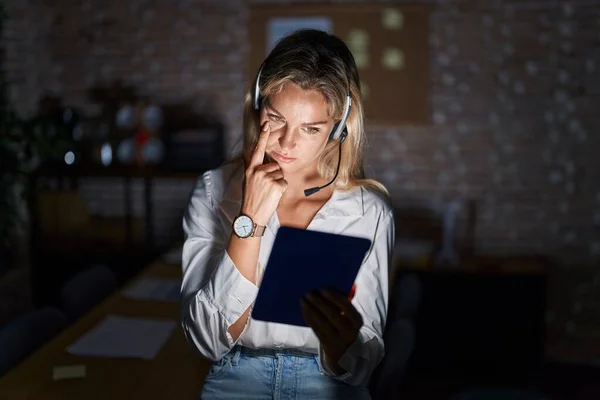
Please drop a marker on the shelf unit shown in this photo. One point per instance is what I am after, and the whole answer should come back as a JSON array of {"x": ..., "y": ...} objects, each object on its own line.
[{"x": 56, "y": 256}]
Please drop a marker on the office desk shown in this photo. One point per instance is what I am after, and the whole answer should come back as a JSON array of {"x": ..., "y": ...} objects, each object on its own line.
[
  {"x": 177, "y": 372},
  {"x": 480, "y": 321}
]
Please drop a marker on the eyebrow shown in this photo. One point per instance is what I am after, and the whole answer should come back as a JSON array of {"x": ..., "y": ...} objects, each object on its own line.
[{"x": 269, "y": 106}]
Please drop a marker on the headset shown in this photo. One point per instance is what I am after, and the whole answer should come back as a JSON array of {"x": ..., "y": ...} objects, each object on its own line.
[{"x": 339, "y": 131}]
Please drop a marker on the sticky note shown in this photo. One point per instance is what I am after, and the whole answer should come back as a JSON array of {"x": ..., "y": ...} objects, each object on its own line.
[
  {"x": 393, "y": 58},
  {"x": 392, "y": 19},
  {"x": 68, "y": 372},
  {"x": 361, "y": 58},
  {"x": 358, "y": 38}
]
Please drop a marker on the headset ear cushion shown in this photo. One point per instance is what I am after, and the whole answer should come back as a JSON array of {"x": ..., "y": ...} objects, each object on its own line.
[
  {"x": 334, "y": 130},
  {"x": 343, "y": 135}
]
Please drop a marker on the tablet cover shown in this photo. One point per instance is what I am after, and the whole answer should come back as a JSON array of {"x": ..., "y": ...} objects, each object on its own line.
[{"x": 302, "y": 261}]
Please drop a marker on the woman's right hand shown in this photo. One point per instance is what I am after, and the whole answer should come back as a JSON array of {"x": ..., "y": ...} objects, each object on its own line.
[{"x": 263, "y": 184}]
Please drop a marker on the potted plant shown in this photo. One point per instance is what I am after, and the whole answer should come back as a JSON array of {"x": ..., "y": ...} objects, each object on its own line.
[{"x": 24, "y": 143}]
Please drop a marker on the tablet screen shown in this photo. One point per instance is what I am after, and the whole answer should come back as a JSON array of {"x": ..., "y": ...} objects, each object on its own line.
[{"x": 302, "y": 261}]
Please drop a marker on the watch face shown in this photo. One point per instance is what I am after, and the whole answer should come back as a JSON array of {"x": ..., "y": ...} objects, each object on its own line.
[{"x": 243, "y": 226}]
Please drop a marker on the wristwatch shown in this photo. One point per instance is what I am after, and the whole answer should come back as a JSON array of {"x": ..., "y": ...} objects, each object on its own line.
[{"x": 244, "y": 227}]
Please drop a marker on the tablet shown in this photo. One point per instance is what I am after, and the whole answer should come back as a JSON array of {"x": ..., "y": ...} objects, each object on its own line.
[{"x": 302, "y": 261}]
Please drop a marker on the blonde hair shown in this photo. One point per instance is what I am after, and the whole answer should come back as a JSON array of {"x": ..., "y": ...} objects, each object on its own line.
[{"x": 314, "y": 59}]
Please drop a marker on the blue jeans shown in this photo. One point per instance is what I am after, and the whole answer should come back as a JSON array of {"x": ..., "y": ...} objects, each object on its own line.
[{"x": 274, "y": 374}]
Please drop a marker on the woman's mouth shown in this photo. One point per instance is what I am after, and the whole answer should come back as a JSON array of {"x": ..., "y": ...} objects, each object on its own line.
[{"x": 281, "y": 158}]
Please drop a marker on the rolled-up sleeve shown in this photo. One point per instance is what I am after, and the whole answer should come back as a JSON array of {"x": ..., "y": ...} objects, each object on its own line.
[
  {"x": 214, "y": 294},
  {"x": 371, "y": 301}
]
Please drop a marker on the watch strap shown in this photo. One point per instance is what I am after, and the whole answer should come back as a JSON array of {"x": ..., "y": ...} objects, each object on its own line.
[{"x": 259, "y": 230}]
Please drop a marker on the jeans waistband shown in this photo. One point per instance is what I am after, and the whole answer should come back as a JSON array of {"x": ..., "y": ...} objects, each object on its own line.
[{"x": 272, "y": 352}]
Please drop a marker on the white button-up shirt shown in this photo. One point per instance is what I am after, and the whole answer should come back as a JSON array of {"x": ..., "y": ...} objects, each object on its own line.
[{"x": 215, "y": 294}]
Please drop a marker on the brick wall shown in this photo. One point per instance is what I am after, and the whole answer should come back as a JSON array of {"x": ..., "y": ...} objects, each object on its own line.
[{"x": 513, "y": 93}]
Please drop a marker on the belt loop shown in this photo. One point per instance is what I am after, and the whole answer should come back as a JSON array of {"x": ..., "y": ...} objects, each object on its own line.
[{"x": 236, "y": 354}]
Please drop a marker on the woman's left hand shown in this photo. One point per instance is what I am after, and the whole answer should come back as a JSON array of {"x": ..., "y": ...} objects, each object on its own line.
[{"x": 334, "y": 320}]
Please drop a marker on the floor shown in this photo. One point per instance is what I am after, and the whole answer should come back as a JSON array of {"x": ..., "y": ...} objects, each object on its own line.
[{"x": 554, "y": 381}]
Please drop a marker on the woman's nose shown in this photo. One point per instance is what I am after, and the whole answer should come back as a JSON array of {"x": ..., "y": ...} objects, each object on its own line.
[{"x": 287, "y": 140}]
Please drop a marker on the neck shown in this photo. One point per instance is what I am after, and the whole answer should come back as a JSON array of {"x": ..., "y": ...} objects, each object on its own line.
[{"x": 298, "y": 182}]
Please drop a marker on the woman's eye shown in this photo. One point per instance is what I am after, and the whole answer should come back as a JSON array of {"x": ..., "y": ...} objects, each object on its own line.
[
  {"x": 311, "y": 130},
  {"x": 274, "y": 118}
]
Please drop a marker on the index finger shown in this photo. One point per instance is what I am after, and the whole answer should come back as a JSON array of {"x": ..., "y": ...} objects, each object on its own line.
[{"x": 258, "y": 156}]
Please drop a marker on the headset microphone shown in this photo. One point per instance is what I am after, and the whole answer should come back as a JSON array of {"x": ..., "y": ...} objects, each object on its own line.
[{"x": 313, "y": 190}]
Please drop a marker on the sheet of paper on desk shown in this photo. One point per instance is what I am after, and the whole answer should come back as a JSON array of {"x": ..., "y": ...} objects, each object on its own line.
[
  {"x": 153, "y": 288},
  {"x": 124, "y": 337}
]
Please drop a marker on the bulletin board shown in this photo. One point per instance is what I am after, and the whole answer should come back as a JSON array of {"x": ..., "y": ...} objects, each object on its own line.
[{"x": 389, "y": 42}]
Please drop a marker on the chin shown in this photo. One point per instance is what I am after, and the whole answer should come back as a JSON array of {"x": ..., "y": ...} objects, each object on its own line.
[{"x": 288, "y": 167}]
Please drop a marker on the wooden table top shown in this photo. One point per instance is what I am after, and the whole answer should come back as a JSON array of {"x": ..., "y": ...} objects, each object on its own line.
[{"x": 177, "y": 372}]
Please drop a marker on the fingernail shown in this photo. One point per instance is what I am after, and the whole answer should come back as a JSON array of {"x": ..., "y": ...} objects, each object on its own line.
[{"x": 352, "y": 292}]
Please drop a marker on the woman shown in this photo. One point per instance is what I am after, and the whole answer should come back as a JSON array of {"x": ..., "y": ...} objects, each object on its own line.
[{"x": 305, "y": 102}]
